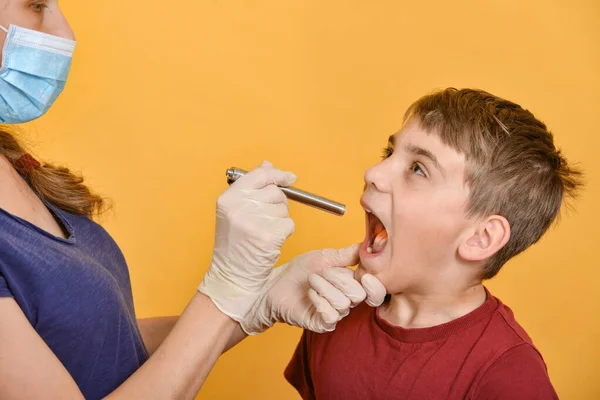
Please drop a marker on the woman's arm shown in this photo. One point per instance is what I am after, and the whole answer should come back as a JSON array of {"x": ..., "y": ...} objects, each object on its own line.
[
  {"x": 236, "y": 336},
  {"x": 29, "y": 369},
  {"x": 180, "y": 365},
  {"x": 155, "y": 330}
]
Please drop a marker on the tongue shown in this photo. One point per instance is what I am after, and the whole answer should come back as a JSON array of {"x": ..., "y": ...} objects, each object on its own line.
[{"x": 380, "y": 241}]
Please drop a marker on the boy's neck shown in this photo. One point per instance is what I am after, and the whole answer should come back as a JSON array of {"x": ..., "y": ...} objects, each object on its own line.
[{"x": 417, "y": 310}]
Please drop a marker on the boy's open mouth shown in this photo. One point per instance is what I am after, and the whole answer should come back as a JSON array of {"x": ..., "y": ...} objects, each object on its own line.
[{"x": 377, "y": 235}]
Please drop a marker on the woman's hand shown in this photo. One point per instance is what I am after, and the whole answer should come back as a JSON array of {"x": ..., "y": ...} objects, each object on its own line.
[
  {"x": 313, "y": 291},
  {"x": 252, "y": 223}
]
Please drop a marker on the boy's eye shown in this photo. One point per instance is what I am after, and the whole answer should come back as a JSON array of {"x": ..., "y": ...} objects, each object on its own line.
[
  {"x": 416, "y": 168},
  {"x": 38, "y": 6},
  {"x": 387, "y": 152}
]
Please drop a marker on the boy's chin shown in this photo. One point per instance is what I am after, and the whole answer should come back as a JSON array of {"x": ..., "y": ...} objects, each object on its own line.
[{"x": 361, "y": 271}]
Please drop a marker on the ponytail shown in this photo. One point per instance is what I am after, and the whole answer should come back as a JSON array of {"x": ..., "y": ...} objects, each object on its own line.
[{"x": 54, "y": 184}]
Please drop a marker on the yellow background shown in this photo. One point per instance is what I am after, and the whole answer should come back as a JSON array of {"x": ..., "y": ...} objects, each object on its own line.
[{"x": 164, "y": 96}]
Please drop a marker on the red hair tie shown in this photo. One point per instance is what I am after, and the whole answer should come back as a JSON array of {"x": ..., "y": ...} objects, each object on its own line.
[{"x": 25, "y": 164}]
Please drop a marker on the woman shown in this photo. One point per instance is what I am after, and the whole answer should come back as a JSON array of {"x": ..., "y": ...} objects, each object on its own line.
[{"x": 68, "y": 327}]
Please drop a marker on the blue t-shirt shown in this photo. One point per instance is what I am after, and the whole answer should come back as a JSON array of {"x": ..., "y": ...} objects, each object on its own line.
[{"x": 76, "y": 294}]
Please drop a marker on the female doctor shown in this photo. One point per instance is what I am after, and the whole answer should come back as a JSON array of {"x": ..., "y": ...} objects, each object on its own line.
[{"x": 67, "y": 323}]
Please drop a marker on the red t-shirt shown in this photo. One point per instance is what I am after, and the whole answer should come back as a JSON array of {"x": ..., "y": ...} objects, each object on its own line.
[{"x": 485, "y": 354}]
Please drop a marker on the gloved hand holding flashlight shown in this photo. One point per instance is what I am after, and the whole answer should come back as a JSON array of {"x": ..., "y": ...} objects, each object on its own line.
[{"x": 312, "y": 291}]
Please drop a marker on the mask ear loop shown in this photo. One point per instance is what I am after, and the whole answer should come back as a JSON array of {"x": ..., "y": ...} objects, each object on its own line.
[{"x": 4, "y": 29}]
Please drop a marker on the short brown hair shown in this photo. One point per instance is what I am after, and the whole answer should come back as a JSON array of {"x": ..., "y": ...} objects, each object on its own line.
[{"x": 513, "y": 167}]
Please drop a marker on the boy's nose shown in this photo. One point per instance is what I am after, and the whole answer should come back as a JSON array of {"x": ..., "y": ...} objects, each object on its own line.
[
  {"x": 56, "y": 24},
  {"x": 376, "y": 176}
]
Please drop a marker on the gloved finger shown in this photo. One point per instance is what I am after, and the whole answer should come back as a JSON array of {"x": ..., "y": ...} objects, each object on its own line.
[
  {"x": 264, "y": 175},
  {"x": 282, "y": 227},
  {"x": 343, "y": 279},
  {"x": 375, "y": 290},
  {"x": 272, "y": 210},
  {"x": 342, "y": 257},
  {"x": 269, "y": 194},
  {"x": 288, "y": 227},
  {"x": 334, "y": 296},
  {"x": 328, "y": 314}
]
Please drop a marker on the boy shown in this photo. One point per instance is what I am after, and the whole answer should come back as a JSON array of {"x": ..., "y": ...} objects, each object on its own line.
[{"x": 470, "y": 181}]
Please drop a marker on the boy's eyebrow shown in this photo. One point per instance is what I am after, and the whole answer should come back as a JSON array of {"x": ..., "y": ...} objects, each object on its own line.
[
  {"x": 391, "y": 140},
  {"x": 419, "y": 151}
]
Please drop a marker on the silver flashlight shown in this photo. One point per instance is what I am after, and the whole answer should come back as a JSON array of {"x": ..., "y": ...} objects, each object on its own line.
[{"x": 233, "y": 174}]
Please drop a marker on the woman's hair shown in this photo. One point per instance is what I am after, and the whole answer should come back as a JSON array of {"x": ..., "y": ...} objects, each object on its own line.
[{"x": 54, "y": 184}]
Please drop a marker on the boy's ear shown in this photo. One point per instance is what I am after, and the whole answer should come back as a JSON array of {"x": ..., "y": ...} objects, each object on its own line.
[{"x": 489, "y": 236}]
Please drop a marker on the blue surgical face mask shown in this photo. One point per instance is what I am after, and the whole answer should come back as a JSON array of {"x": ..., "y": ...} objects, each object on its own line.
[{"x": 34, "y": 70}]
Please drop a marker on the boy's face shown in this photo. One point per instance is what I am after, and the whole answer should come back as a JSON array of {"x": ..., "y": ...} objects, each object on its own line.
[{"x": 415, "y": 210}]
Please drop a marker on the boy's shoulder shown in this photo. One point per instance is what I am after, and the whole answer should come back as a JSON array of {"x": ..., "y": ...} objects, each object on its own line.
[
  {"x": 506, "y": 324},
  {"x": 516, "y": 368}
]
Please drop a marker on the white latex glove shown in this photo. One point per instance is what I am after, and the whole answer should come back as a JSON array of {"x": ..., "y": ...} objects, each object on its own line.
[
  {"x": 252, "y": 224},
  {"x": 313, "y": 291}
]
